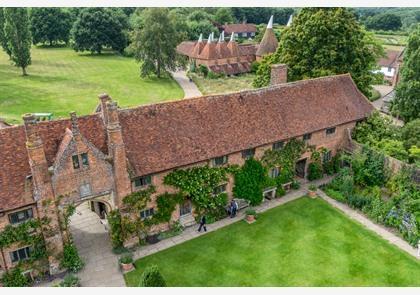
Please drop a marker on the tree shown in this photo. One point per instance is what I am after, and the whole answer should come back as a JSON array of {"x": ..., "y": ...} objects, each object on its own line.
[
  {"x": 154, "y": 42},
  {"x": 321, "y": 42},
  {"x": 411, "y": 134},
  {"x": 96, "y": 28},
  {"x": 151, "y": 277},
  {"x": 3, "y": 41},
  {"x": 50, "y": 25},
  {"x": 223, "y": 15},
  {"x": 407, "y": 101},
  {"x": 261, "y": 15},
  {"x": 18, "y": 36},
  {"x": 384, "y": 21}
]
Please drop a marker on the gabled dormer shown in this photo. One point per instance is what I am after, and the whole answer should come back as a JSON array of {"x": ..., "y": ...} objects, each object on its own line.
[{"x": 80, "y": 170}]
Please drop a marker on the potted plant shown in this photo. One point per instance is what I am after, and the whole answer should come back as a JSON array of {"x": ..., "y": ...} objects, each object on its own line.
[
  {"x": 250, "y": 214},
  {"x": 312, "y": 190},
  {"x": 126, "y": 262}
]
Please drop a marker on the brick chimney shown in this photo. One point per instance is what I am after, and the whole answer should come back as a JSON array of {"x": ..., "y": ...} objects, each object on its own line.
[
  {"x": 104, "y": 98},
  {"x": 43, "y": 193},
  {"x": 116, "y": 149},
  {"x": 278, "y": 74}
]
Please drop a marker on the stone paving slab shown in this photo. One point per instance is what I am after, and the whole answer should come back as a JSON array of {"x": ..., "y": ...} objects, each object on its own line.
[{"x": 380, "y": 230}]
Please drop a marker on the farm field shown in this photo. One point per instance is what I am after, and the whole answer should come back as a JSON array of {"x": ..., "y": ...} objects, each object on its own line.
[{"x": 61, "y": 80}]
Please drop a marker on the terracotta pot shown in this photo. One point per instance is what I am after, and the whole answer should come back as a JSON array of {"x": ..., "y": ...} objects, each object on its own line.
[
  {"x": 312, "y": 194},
  {"x": 250, "y": 218},
  {"x": 127, "y": 266}
]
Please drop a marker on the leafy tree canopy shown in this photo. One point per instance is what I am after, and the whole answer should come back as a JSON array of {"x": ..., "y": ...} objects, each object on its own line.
[
  {"x": 154, "y": 41},
  {"x": 50, "y": 25},
  {"x": 384, "y": 21},
  {"x": 3, "y": 41},
  {"x": 96, "y": 28},
  {"x": 224, "y": 15},
  {"x": 407, "y": 101},
  {"x": 321, "y": 42},
  {"x": 18, "y": 36},
  {"x": 261, "y": 15},
  {"x": 411, "y": 133}
]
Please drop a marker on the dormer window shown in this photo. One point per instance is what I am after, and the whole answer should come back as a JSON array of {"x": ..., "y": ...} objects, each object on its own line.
[{"x": 142, "y": 181}]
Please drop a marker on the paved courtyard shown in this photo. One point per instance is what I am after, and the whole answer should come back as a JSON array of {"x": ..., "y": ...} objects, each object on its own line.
[{"x": 94, "y": 247}]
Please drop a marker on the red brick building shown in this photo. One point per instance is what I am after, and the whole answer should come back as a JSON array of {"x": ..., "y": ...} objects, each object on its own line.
[
  {"x": 230, "y": 57},
  {"x": 101, "y": 158}
]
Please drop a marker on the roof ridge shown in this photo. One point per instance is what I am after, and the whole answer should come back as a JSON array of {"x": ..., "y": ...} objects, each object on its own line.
[{"x": 241, "y": 92}]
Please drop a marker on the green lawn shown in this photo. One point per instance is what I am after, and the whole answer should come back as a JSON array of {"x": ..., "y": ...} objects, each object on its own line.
[
  {"x": 61, "y": 80},
  {"x": 223, "y": 85},
  {"x": 303, "y": 243}
]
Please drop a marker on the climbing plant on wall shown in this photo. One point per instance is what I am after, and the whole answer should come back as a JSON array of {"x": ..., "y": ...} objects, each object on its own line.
[
  {"x": 198, "y": 183},
  {"x": 285, "y": 158}
]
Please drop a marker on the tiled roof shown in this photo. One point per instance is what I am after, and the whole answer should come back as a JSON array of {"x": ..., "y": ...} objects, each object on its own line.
[
  {"x": 14, "y": 158},
  {"x": 187, "y": 48},
  {"x": 167, "y": 135},
  {"x": 391, "y": 58},
  {"x": 239, "y": 28}
]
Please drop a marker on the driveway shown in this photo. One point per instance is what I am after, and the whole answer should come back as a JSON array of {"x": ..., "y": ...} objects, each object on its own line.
[
  {"x": 92, "y": 240},
  {"x": 190, "y": 89}
]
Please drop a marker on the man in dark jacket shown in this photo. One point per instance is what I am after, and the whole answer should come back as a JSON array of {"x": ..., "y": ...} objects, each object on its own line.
[{"x": 202, "y": 223}]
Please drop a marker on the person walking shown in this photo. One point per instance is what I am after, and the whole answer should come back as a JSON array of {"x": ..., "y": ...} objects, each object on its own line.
[
  {"x": 202, "y": 223},
  {"x": 232, "y": 209},
  {"x": 235, "y": 207}
]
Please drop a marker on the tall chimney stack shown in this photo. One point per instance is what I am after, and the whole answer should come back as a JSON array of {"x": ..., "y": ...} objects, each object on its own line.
[{"x": 278, "y": 74}]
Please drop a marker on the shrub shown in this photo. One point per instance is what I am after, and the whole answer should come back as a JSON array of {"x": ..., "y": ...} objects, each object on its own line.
[
  {"x": 280, "y": 192},
  {"x": 314, "y": 171},
  {"x": 312, "y": 187},
  {"x": 119, "y": 250},
  {"x": 70, "y": 280},
  {"x": 126, "y": 258},
  {"x": 14, "y": 278},
  {"x": 71, "y": 259},
  {"x": 254, "y": 66},
  {"x": 203, "y": 70},
  {"x": 335, "y": 195},
  {"x": 251, "y": 212},
  {"x": 358, "y": 201},
  {"x": 295, "y": 184},
  {"x": 151, "y": 277}
]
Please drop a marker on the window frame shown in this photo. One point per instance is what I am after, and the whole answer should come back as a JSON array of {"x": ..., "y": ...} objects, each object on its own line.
[
  {"x": 74, "y": 158},
  {"x": 26, "y": 250},
  {"x": 330, "y": 131},
  {"x": 224, "y": 158},
  {"x": 270, "y": 174},
  {"x": 85, "y": 156},
  {"x": 307, "y": 136},
  {"x": 216, "y": 190},
  {"x": 324, "y": 158},
  {"x": 278, "y": 145},
  {"x": 28, "y": 216},
  {"x": 148, "y": 213},
  {"x": 248, "y": 153},
  {"x": 147, "y": 182}
]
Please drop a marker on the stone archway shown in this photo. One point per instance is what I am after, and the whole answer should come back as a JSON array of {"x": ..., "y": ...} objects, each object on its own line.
[{"x": 91, "y": 237}]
